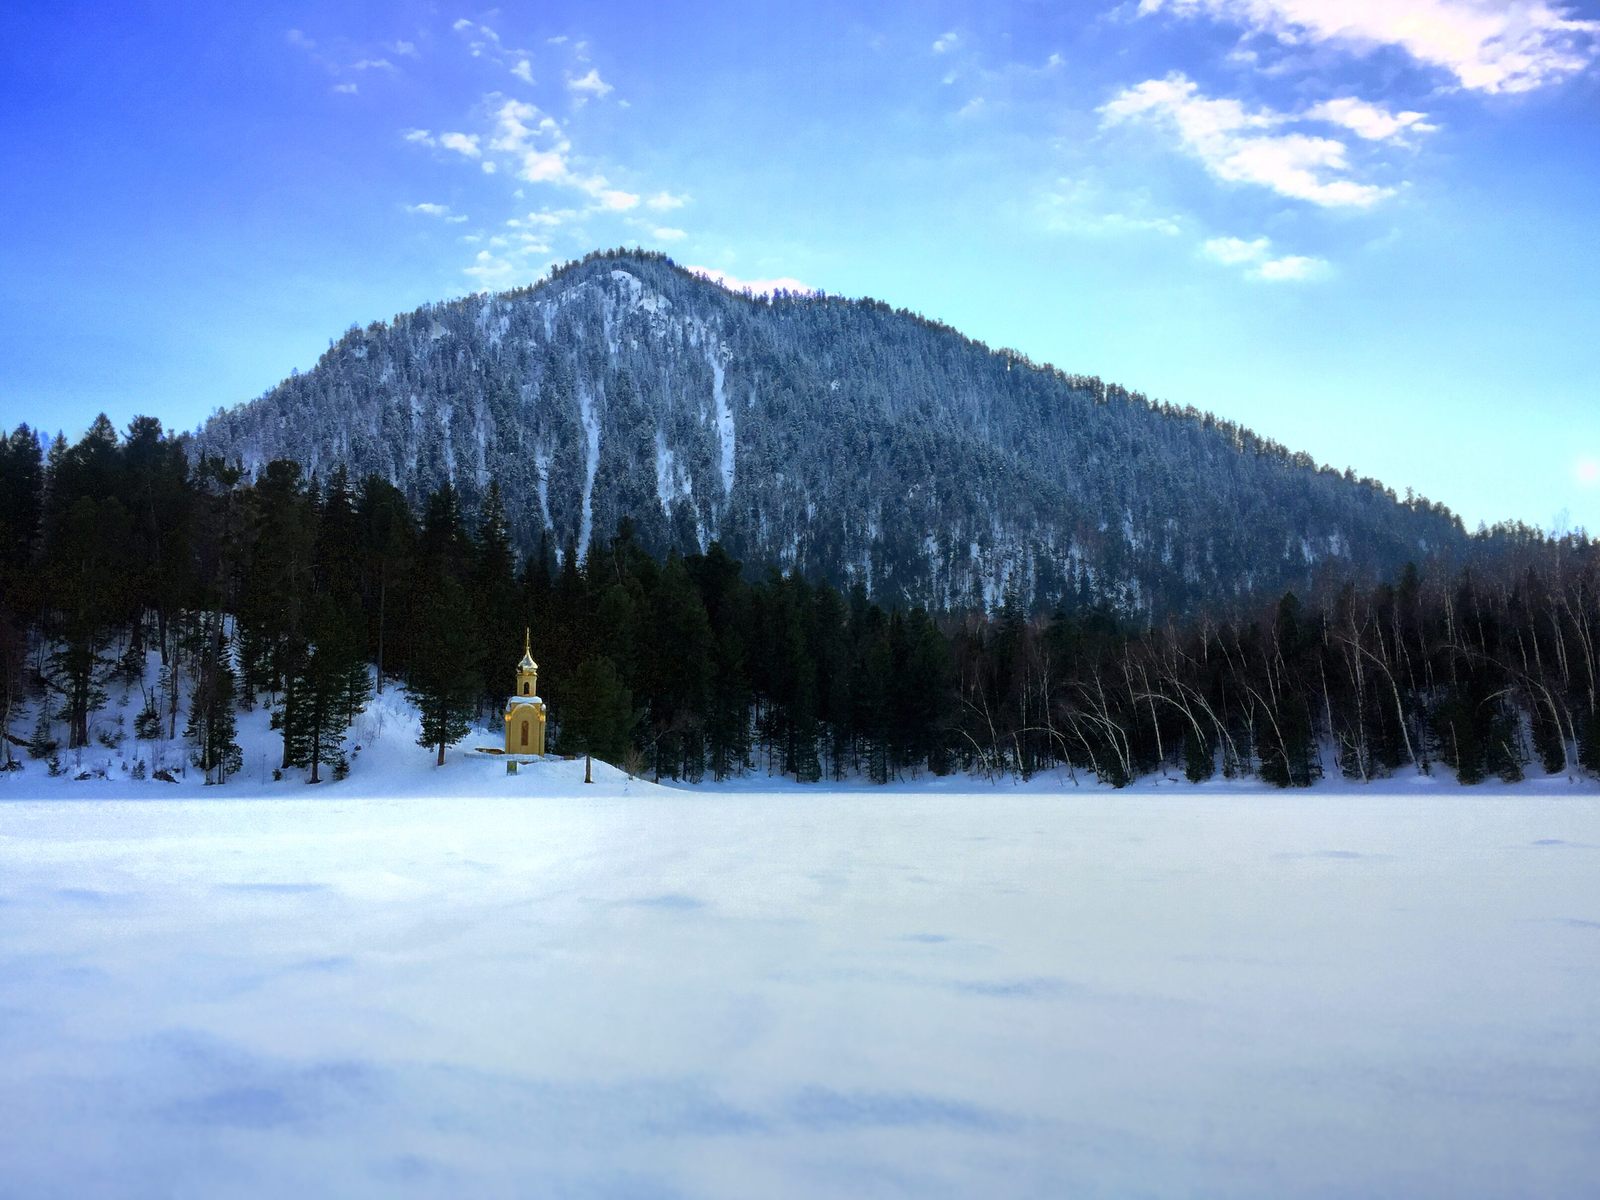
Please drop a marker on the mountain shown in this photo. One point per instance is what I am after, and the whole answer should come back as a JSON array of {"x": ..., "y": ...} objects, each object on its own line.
[{"x": 838, "y": 438}]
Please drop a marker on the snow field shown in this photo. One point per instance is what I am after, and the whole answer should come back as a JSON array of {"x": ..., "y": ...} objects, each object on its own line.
[{"x": 624, "y": 990}]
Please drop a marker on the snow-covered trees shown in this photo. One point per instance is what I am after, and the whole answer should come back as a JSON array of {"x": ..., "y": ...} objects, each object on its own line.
[
  {"x": 284, "y": 589},
  {"x": 840, "y": 439},
  {"x": 211, "y": 728}
]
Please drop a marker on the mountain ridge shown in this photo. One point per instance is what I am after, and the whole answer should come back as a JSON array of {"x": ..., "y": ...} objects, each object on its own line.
[{"x": 840, "y": 438}]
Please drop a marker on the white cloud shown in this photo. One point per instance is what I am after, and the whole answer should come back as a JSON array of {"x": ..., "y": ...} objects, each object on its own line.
[
  {"x": 946, "y": 42},
  {"x": 1079, "y": 208},
  {"x": 512, "y": 131},
  {"x": 461, "y": 143},
  {"x": 666, "y": 202},
  {"x": 546, "y": 218},
  {"x": 1232, "y": 251},
  {"x": 1370, "y": 121},
  {"x": 535, "y": 139},
  {"x": 590, "y": 84},
  {"x": 465, "y": 144},
  {"x": 429, "y": 209},
  {"x": 481, "y": 39},
  {"x": 544, "y": 166},
  {"x": 299, "y": 40},
  {"x": 665, "y": 233},
  {"x": 372, "y": 64},
  {"x": 1291, "y": 268},
  {"x": 404, "y": 49},
  {"x": 1256, "y": 254},
  {"x": 614, "y": 200},
  {"x": 489, "y": 167},
  {"x": 1587, "y": 472},
  {"x": 491, "y": 272},
  {"x": 523, "y": 71},
  {"x": 1241, "y": 145},
  {"x": 345, "y": 89},
  {"x": 761, "y": 287},
  {"x": 1488, "y": 45}
]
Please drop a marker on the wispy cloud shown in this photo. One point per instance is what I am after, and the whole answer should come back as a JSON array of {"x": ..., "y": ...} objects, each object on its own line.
[
  {"x": 1370, "y": 121},
  {"x": 493, "y": 272},
  {"x": 1232, "y": 251},
  {"x": 461, "y": 143},
  {"x": 665, "y": 202},
  {"x": 1292, "y": 268},
  {"x": 759, "y": 287},
  {"x": 531, "y": 151},
  {"x": 1079, "y": 208},
  {"x": 429, "y": 209},
  {"x": 1257, "y": 257},
  {"x": 1487, "y": 45},
  {"x": 1243, "y": 145},
  {"x": 545, "y": 218},
  {"x": 480, "y": 38},
  {"x": 465, "y": 144},
  {"x": 946, "y": 42},
  {"x": 590, "y": 84},
  {"x": 335, "y": 58}
]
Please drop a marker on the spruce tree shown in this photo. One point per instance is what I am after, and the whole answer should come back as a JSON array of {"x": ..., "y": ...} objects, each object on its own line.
[
  {"x": 596, "y": 714},
  {"x": 211, "y": 728},
  {"x": 445, "y": 678},
  {"x": 327, "y": 691},
  {"x": 497, "y": 600}
]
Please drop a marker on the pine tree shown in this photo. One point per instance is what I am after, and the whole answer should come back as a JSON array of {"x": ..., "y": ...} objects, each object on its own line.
[
  {"x": 679, "y": 680},
  {"x": 325, "y": 687},
  {"x": 496, "y": 599},
  {"x": 211, "y": 729},
  {"x": 388, "y": 538},
  {"x": 445, "y": 678},
  {"x": 42, "y": 744},
  {"x": 596, "y": 714}
]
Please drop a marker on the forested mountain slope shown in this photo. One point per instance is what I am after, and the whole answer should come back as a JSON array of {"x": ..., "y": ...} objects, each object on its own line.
[{"x": 837, "y": 438}]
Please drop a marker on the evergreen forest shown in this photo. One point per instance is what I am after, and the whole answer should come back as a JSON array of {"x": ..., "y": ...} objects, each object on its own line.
[
  {"x": 303, "y": 595},
  {"x": 841, "y": 439}
]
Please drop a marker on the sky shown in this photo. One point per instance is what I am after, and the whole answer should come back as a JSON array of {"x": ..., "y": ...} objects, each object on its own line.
[{"x": 1367, "y": 229}]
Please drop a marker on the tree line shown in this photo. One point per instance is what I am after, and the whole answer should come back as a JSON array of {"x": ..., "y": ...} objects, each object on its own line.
[{"x": 303, "y": 595}]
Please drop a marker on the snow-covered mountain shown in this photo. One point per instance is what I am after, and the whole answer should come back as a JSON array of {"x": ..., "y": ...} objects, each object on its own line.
[{"x": 836, "y": 437}]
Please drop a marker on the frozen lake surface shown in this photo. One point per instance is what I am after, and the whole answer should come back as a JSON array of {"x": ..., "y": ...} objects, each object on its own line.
[{"x": 662, "y": 994}]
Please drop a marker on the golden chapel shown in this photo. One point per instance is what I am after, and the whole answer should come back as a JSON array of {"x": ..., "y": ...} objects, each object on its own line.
[{"x": 525, "y": 711}]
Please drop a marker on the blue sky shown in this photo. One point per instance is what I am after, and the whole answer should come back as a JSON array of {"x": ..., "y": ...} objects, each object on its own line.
[{"x": 1366, "y": 228}]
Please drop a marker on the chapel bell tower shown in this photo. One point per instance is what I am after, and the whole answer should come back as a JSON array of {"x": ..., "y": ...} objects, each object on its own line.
[{"x": 525, "y": 711}]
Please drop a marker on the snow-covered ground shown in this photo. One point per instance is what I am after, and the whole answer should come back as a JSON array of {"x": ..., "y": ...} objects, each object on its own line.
[{"x": 526, "y": 987}]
